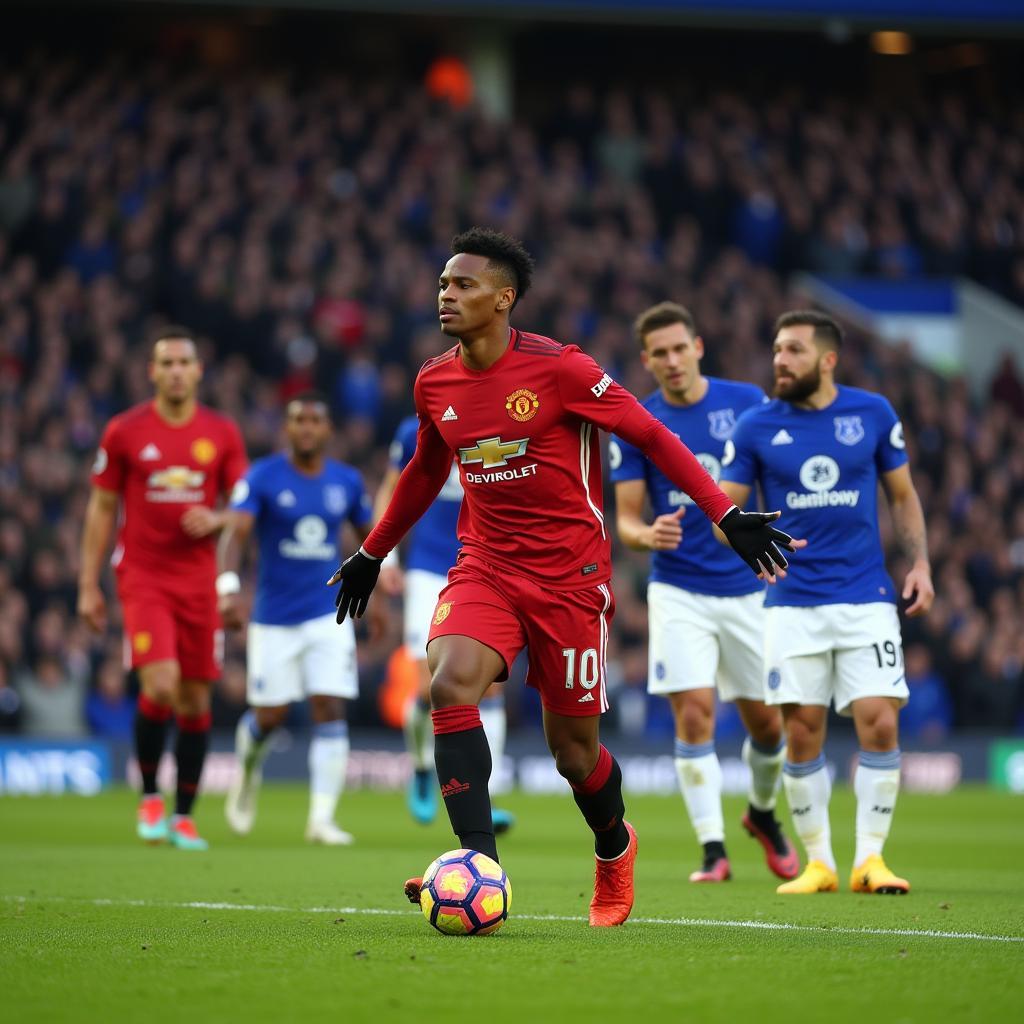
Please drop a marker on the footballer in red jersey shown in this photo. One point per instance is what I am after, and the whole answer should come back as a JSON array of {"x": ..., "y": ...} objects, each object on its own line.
[
  {"x": 164, "y": 465},
  {"x": 519, "y": 413}
]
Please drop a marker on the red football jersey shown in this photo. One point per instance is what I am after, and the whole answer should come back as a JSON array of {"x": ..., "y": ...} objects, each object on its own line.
[
  {"x": 160, "y": 471},
  {"x": 523, "y": 432}
]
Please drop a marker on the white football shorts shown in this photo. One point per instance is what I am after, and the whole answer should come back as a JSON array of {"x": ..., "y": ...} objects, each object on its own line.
[
  {"x": 421, "y": 590},
  {"x": 697, "y": 641},
  {"x": 834, "y": 652},
  {"x": 289, "y": 663}
]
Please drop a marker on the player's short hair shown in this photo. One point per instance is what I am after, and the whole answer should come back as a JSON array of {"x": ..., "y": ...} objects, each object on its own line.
[
  {"x": 310, "y": 397},
  {"x": 664, "y": 314},
  {"x": 169, "y": 331},
  {"x": 826, "y": 330},
  {"x": 506, "y": 254}
]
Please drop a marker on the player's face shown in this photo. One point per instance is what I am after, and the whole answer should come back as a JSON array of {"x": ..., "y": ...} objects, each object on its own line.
[
  {"x": 308, "y": 428},
  {"x": 470, "y": 296},
  {"x": 175, "y": 370},
  {"x": 673, "y": 356},
  {"x": 797, "y": 363}
]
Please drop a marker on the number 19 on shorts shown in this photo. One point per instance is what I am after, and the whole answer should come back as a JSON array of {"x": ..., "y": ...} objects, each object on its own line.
[{"x": 587, "y": 664}]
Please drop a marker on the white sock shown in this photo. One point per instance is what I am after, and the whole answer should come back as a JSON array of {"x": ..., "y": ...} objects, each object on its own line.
[
  {"x": 700, "y": 779},
  {"x": 808, "y": 789},
  {"x": 419, "y": 734},
  {"x": 765, "y": 773},
  {"x": 251, "y": 743},
  {"x": 328, "y": 759},
  {"x": 492, "y": 717},
  {"x": 876, "y": 785}
]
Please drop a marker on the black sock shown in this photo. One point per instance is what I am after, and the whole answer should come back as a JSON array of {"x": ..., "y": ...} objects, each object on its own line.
[
  {"x": 463, "y": 762},
  {"x": 715, "y": 850},
  {"x": 190, "y": 752},
  {"x": 150, "y": 735},
  {"x": 764, "y": 820},
  {"x": 769, "y": 825},
  {"x": 599, "y": 797}
]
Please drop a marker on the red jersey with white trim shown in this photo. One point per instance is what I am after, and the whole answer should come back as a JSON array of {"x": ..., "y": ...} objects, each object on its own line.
[
  {"x": 524, "y": 436},
  {"x": 161, "y": 470}
]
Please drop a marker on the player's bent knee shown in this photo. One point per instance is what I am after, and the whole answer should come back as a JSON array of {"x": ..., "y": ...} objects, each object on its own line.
[
  {"x": 448, "y": 689},
  {"x": 574, "y": 762}
]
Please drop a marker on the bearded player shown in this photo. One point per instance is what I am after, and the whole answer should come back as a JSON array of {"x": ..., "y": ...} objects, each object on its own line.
[
  {"x": 519, "y": 412},
  {"x": 706, "y": 628},
  {"x": 165, "y": 463},
  {"x": 832, "y": 636}
]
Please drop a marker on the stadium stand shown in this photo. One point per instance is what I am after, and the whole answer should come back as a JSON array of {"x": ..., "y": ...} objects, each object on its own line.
[{"x": 298, "y": 224}]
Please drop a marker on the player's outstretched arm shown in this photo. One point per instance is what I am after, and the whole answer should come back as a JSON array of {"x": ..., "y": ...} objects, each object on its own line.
[
  {"x": 234, "y": 540},
  {"x": 420, "y": 483},
  {"x": 912, "y": 535},
  {"x": 391, "y": 578},
  {"x": 100, "y": 518}
]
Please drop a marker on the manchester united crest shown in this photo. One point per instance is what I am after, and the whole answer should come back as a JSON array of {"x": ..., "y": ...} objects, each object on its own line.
[
  {"x": 522, "y": 405},
  {"x": 442, "y": 612},
  {"x": 204, "y": 451}
]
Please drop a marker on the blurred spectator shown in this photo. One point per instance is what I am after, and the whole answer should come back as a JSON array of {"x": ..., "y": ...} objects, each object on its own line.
[
  {"x": 929, "y": 714},
  {"x": 52, "y": 698},
  {"x": 109, "y": 709}
]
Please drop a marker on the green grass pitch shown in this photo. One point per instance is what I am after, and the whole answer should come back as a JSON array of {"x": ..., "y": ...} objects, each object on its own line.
[{"x": 96, "y": 927}]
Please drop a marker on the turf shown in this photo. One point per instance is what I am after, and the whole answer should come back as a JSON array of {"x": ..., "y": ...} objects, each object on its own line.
[{"x": 94, "y": 926}]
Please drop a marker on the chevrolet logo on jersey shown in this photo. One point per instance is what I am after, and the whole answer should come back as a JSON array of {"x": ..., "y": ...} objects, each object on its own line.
[
  {"x": 493, "y": 452},
  {"x": 176, "y": 478}
]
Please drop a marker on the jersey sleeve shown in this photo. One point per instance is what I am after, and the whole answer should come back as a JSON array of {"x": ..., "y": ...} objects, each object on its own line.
[
  {"x": 236, "y": 462},
  {"x": 245, "y": 495},
  {"x": 626, "y": 461},
  {"x": 740, "y": 464},
  {"x": 403, "y": 447},
  {"x": 108, "y": 469},
  {"x": 590, "y": 393},
  {"x": 420, "y": 483},
  {"x": 891, "y": 449}
]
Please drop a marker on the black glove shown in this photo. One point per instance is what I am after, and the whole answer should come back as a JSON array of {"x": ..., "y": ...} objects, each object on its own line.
[
  {"x": 755, "y": 540},
  {"x": 358, "y": 576}
]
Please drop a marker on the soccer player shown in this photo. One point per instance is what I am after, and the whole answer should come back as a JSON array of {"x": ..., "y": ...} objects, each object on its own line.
[
  {"x": 705, "y": 609},
  {"x": 297, "y": 503},
  {"x": 832, "y": 633},
  {"x": 166, "y": 463},
  {"x": 519, "y": 411},
  {"x": 432, "y": 550}
]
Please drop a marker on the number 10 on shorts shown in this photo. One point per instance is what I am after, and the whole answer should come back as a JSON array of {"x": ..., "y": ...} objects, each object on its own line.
[{"x": 588, "y": 667}]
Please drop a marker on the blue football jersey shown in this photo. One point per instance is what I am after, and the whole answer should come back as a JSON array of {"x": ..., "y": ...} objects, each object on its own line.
[
  {"x": 700, "y": 564},
  {"x": 821, "y": 467},
  {"x": 433, "y": 542},
  {"x": 298, "y": 519}
]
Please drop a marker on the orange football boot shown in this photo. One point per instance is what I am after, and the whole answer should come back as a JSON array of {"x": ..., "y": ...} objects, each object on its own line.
[{"x": 613, "y": 886}]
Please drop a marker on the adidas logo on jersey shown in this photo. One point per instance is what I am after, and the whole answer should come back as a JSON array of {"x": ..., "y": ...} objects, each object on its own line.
[
  {"x": 449, "y": 415},
  {"x": 286, "y": 499},
  {"x": 782, "y": 437},
  {"x": 150, "y": 453},
  {"x": 587, "y": 696}
]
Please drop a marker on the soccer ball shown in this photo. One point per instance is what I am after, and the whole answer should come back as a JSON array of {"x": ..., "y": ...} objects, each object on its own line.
[{"x": 465, "y": 893}]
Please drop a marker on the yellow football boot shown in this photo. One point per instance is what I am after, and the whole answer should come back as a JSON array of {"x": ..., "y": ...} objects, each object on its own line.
[
  {"x": 874, "y": 876},
  {"x": 816, "y": 877}
]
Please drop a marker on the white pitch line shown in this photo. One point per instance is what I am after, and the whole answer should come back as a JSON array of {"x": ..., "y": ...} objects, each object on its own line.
[{"x": 677, "y": 922}]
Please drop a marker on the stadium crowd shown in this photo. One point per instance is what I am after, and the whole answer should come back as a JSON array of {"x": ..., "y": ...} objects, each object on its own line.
[{"x": 299, "y": 224}]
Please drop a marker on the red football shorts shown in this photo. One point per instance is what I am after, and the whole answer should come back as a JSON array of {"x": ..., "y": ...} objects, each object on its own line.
[
  {"x": 565, "y": 631},
  {"x": 163, "y": 624}
]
